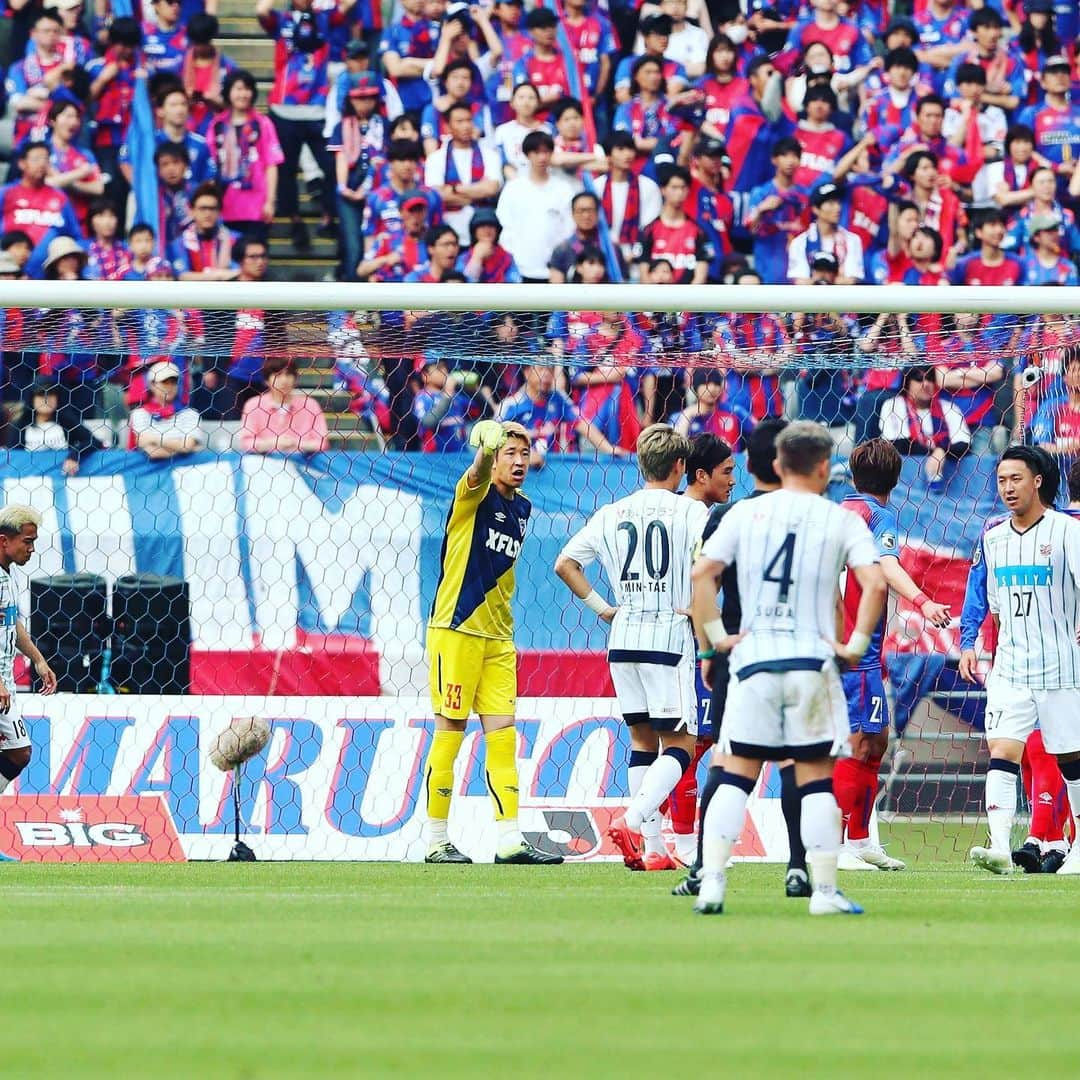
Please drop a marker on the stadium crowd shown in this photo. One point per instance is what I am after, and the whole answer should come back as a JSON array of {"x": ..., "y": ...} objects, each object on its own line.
[{"x": 817, "y": 142}]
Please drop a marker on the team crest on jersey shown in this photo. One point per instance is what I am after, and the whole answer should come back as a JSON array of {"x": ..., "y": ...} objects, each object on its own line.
[
  {"x": 1046, "y": 549},
  {"x": 521, "y": 525}
]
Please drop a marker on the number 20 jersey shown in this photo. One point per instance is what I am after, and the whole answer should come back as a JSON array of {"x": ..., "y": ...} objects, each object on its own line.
[
  {"x": 788, "y": 548},
  {"x": 1033, "y": 587},
  {"x": 646, "y": 544}
]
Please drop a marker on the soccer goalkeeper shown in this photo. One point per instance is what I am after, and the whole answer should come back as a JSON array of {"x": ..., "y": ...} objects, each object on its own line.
[{"x": 472, "y": 662}]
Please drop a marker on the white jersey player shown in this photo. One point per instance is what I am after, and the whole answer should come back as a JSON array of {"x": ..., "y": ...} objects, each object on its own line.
[
  {"x": 785, "y": 699},
  {"x": 645, "y": 544},
  {"x": 18, "y": 534},
  {"x": 1033, "y": 592}
]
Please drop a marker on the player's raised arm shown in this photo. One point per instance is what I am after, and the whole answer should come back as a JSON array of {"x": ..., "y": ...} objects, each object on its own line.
[
  {"x": 34, "y": 655},
  {"x": 487, "y": 436}
]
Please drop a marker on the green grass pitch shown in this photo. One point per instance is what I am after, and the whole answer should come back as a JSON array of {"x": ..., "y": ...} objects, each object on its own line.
[{"x": 345, "y": 970}]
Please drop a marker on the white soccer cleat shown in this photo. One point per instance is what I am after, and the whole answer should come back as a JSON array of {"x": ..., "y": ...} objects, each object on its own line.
[
  {"x": 849, "y": 858},
  {"x": 832, "y": 903},
  {"x": 877, "y": 857},
  {"x": 710, "y": 899},
  {"x": 997, "y": 862},
  {"x": 1071, "y": 865}
]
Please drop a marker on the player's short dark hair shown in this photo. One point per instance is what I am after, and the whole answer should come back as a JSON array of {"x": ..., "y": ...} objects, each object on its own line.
[
  {"x": 802, "y": 446},
  {"x": 761, "y": 449},
  {"x": 537, "y": 140},
  {"x": 1038, "y": 462},
  {"x": 875, "y": 467},
  {"x": 707, "y": 451},
  {"x": 928, "y": 99},
  {"x": 1073, "y": 480}
]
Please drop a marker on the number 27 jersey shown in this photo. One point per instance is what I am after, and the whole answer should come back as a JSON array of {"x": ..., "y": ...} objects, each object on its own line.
[
  {"x": 646, "y": 544},
  {"x": 1033, "y": 587}
]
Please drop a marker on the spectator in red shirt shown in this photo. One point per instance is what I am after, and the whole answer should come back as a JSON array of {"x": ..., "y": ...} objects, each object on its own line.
[
  {"x": 674, "y": 236},
  {"x": 397, "y": 251},
  {"x": 543, "y": 65},
  {"x": 989, "y": 265},
  {"x": 30, "y": 81},
  {"x": 204, "y": 252},
  {"x": 203, "y": 71},
  {"x": 72, "y": 168}
]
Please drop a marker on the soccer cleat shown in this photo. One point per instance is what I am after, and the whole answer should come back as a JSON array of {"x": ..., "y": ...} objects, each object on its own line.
[
  {"x": 710, "y": 899},
  {"x": 1028, "y": 858},
  {"x": 797, "y": 884},
  {"x": 1052, "y": 861},
  {"x": 690, "y": 885},
  {"x": 660, "y": 860},
  {"x": 446, "y": 853},
  {"x": 997, "y": 862},
  {"x": 833, "y": 903},
  {"x": 876, "y": 856},
  {"x": 628, "y": 842},
  {"x": 1070, "y": 865},
  {"x": 527, "y": 855},
  {"x": 851, "y": 859}
]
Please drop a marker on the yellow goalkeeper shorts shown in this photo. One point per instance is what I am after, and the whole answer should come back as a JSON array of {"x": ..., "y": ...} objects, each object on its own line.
[{"x": 471, "y": 674}]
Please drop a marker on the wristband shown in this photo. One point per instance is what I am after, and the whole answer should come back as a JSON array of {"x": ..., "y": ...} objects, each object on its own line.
[
  {"x": 595, "y": 602},
  {"x": 920, "y": 599},
  {"x": 342, "y": 188},
  {"x": 858, "y": 643},
  {"x": 715, "y": 631},
  {"x": 706, "y": 654}
]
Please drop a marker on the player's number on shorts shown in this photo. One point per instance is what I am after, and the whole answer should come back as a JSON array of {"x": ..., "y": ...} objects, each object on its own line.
[
  {"x": 1022, "y": 603},
  {"x": 19, "y": 726},
  {"x": 784, "y": 557},
  {"x": 875, "y": 709},
  {"x": 657, "y": 550},
  {"x": 453, "y": 695}
]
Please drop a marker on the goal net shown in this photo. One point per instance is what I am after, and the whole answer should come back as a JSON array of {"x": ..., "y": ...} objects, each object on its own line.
[{"x": 244, "y": 491}]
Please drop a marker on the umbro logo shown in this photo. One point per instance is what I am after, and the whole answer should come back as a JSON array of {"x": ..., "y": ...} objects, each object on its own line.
[{"x": 500, "y": 516}]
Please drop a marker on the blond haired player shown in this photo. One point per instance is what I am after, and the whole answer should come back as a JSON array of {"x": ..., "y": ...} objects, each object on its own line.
[
  {"x": 645, "y": 543},
  {"x": 18, "y": 534},
  {"x": 473, "y": 665}
]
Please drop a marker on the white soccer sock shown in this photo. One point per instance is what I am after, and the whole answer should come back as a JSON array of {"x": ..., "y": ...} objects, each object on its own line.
[
  {"x": 437, "y": 832},
  {"x": 650, "y": 835},
  {"x": 821, "y": 834},
  {"x": 1000, "y": 808},
  {"x": 686, "y": 847},
  {"x": 656, "y": 785},
  {"x": 634, "y": 775},
  {"x": 722, "y": 826}
]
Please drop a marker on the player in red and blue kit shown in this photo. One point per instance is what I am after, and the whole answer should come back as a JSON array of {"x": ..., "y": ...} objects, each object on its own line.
[{"x": 875, "y": 472}]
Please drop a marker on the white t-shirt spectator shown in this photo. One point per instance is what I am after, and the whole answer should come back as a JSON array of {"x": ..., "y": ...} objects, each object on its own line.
[
  {"x": 990, "y": 175},
  {"x": 183, "y": 422},
  {"x": 508, "y": 140},
  {"x": 845, "y": 245},
  {"x": 535, "y": 218},
  {"x": 435, "y": 177},
  {"x": 894, "y": 421}
]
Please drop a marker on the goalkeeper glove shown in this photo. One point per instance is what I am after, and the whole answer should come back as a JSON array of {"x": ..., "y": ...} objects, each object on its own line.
[{"x": 487, "y": 435}]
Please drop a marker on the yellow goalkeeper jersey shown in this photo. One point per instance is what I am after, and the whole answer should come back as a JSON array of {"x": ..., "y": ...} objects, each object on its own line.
[{"x": 484, "y": 534}]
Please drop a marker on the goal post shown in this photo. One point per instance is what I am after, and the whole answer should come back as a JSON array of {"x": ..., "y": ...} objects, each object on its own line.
[{"x": 297, "y": 577}]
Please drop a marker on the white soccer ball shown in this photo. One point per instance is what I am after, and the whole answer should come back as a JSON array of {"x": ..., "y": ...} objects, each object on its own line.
[{"x": 242, "y": 739}]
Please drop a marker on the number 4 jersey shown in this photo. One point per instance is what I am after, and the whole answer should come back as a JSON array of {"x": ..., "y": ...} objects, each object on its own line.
[
  {"x": 788, "y": 548},
  {"x": 1032, "y": 587},
  {"x": 646, "y": 544}
]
